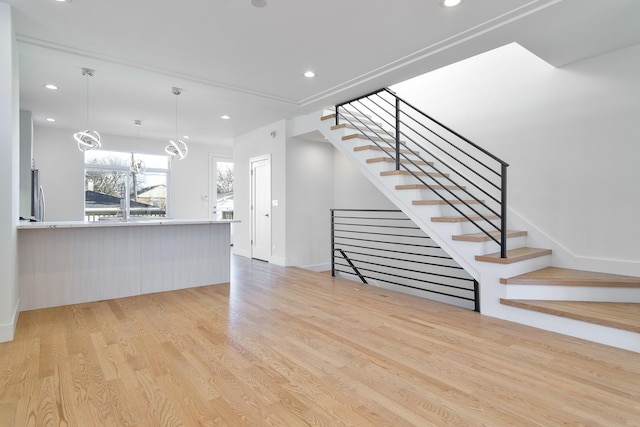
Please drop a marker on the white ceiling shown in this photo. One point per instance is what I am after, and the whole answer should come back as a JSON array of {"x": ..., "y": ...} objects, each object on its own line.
[{"x": 232, "y": 58}]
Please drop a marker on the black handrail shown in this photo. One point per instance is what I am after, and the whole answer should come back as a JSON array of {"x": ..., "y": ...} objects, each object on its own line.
[
  {"x": 406, "y": 257},
  {"x": 454, "y": 162}
]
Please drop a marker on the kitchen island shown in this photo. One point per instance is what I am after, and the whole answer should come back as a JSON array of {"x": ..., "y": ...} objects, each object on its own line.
[{"x": 71, "y": 262}]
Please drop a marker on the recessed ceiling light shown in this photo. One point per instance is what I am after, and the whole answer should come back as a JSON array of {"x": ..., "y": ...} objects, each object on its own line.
[
  {"x": 63, "y": 1},
  {"x": 225, "y": 117},
  {"x": 309, "y": 74},
  {"x": 450, "y": 3},
  {"x": 51, "y": 86},
  {"x": 49, "y": 119},
  {"x": 185, "y": 136}
]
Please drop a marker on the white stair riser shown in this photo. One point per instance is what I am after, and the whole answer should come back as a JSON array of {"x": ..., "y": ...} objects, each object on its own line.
[
  {"x": 573, "y": 293},
  {"x": 491, "y": 246},
  {"x": 588, "y": 331}
]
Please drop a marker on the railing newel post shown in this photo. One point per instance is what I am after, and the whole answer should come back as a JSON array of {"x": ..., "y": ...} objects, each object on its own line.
[
  {"x": 333, "y": 245},
  {"x": 397, "y": 133},
  {"x": 503, "y": 212}
]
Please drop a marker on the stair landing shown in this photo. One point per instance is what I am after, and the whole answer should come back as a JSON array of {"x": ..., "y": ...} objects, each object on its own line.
[{"x": 625, "y": 316}]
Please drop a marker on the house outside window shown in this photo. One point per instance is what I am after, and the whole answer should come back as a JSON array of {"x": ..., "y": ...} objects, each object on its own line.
[{"x": 104, "y": 184}]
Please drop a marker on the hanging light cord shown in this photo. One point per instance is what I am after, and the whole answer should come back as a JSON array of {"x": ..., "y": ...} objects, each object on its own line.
[{"x": 87, "y": 79}]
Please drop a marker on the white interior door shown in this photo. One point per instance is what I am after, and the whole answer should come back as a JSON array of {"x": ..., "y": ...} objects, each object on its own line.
[{"x": 261, "y": 208}]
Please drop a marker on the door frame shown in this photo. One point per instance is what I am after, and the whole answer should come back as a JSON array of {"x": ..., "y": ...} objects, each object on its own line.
[{"x": 252, "y": 160}]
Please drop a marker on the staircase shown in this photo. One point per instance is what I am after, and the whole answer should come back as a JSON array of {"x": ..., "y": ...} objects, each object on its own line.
[{"x": 416, "y": 163}]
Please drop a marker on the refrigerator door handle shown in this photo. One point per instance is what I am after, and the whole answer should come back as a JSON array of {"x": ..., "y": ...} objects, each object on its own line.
[{"x": 42, "y": 203}]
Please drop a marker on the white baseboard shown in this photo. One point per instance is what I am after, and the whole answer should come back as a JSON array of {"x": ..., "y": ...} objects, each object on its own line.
[
  {"x": 241, "y": 252},
  {"x": 318, "y": 267},
  {"x": 564, "y": 257},
  {"x": 278, "y": 261},
  {"x": 8, "y": 330}
]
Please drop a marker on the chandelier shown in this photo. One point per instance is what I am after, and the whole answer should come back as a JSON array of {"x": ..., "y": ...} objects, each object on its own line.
[
  {"x": 87, "y": 139},
  {"x": 178, "y": 148}
]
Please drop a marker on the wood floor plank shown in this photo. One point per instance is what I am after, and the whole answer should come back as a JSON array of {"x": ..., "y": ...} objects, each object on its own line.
[{"x": 284, "y": 346}]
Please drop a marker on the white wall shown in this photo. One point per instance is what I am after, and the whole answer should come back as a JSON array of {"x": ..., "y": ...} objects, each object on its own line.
[
  {"x": 9, "y": 165},
  {"x": 257, "y": 143},
  {"x": 352, "y": 190},
  {"x": 570, "y": 135},
  {"x": 61, "y": 167},
  {"x": 310, "y": 198}
]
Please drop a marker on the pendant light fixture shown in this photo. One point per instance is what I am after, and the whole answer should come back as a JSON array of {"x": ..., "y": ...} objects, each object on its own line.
[
  {"x": 137, "y": 166},
  {"x": 87, "y": 139},
  {"x": 178, "y": 148}
]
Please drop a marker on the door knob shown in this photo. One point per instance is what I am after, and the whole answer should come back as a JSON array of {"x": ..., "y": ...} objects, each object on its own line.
[{"x": 267, "y": 215}]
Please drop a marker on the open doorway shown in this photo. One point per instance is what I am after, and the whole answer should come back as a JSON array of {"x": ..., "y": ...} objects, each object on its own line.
[{"x": 222, "y": 191}]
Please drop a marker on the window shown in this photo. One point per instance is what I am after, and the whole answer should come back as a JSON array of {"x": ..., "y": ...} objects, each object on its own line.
[{"x": 105, "y": 176}]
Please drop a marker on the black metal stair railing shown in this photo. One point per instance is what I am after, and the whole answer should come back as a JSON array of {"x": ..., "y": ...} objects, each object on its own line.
[
  {"x": 458, "y": 171},
  {"x": 386, "y": 248}
]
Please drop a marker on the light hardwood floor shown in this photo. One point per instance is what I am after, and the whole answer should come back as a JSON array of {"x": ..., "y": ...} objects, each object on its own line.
[{"x": 288, "y": 347}]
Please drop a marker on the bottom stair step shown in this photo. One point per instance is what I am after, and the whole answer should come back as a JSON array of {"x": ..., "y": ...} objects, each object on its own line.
[{"x": 624, "y": 316}]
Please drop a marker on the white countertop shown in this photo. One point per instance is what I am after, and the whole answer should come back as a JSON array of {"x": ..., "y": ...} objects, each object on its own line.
[{"x": 117, "y": 223}]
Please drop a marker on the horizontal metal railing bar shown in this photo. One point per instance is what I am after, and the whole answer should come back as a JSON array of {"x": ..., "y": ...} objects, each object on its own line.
[
  {"x": 366, "y": 210},
  {"x": 408, "y": 260},
  {"x": 405, "y": 253},
  {"x": 372, "y": 217},
  {"x": 399, "y": 227},
  {"x": 390, "y": 243},
  {"x": 412, "y": 287},
  {"x": 493, "y": 156},
  {"x": 414, "y": 153},
  {"x": 489, "y": 168},
  {"x": 384, "y": 234},
  {"x": 457, "y": 209},
  {"x": 472, "y": 208},
  {"x": 406, "y": 265},
  {"x": 436, "y": 157},
  {"x": 406, "y": 136},
  {"x": 448, "y": 178},
  {"x": 459, "y": 288},
  {"x": 409, "y": 270},
  {"x": 444, "y": 162}
]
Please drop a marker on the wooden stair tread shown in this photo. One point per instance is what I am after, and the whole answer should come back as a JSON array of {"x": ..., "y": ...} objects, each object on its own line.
[
  {"x": 482, "y": 237},
  {"x": 514, "y": 255},
  {"x": 333, "y": 116},
  {"x": 555, "y": 276},
  {"x": 443, "y": 202},
  {"x": 385, "y": 149},
  {"x": 456, "y": 219},
  {"x": 371, "y": 138},
  {"x": 360, "y": 128},
  {"x": 625, "y": 316},
  {"x": 403, "y": 161},
  {"x": 424, "y": 187},
  {"x": 418, "y": 173}
]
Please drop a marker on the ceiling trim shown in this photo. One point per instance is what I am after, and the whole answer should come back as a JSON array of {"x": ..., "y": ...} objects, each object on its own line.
[{"x": 44, "y": 44}]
